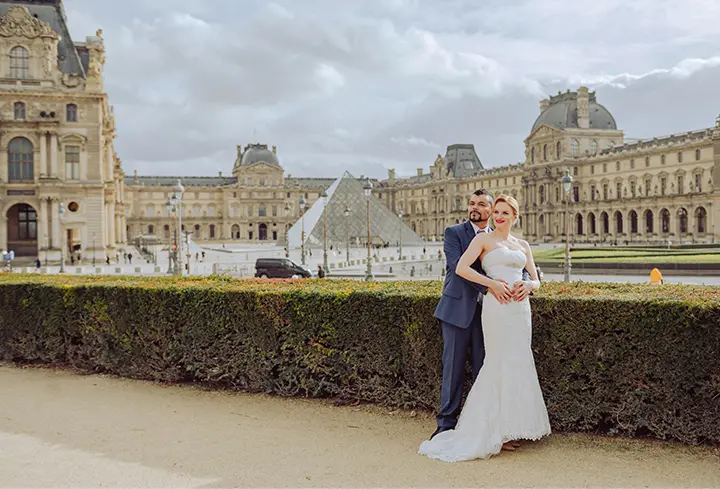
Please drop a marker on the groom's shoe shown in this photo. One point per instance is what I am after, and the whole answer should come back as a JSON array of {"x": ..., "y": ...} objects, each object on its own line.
[{"x": 440, "y": 430}]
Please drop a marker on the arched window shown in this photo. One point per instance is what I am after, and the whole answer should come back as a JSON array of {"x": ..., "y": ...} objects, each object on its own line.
[
  {"x": 697, "y": 155},
  {"x": 648, "y": 221},
  {"x": 20, "y": 159},
  {"x": 19, "y": 63},
  {"x": 196, "y": 234},
  {"x": 575, "y": 147},
  {"x": 665, "y": 220},
  {"x": 618, "y": 222},
  {"x": 593, "y": 147},
  {"x": 605, "y": 222},
  {"x": 19, "y": 111},
  {"x": 662, "y": 159},
  {"x": 679, "y": 156},
  {"x": 579, "y": 223},
  {"x": 701, "y": 220},
  {"x": 633, "y": 222},
  {"x": 151, "y": 230},
  {"x": 591, "y": 224},
  {"x": 212, "y": 231},
  {"x": 235, "y": 231},
  {"x": 166, "y": 231},
  {"x": 71, "y": 112},
  {"x": 683, "y": 218},
  {"x": 558, "y": 150}
]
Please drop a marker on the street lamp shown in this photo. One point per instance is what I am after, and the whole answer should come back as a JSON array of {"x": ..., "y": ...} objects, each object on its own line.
[
  {"x": 400, "y": 215},
  {"x": 287, "y": 225},
  {"x": 302, "y": 228},
  {"x": 177, "y": 200},
  {"x": 61, "y": 212},
  {"x": 170, "y": 209},
  {"x": 93, "y": 249},
  {"x": 347, "y": 235},
  {"x": 567, "y": 183},
  {"x": 324, "y": 197},
  {"x": 368, "y": 193}
]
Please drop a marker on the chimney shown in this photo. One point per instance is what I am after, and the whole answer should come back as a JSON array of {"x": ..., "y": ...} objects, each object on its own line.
[
  {"x": 219, "y": 173},
  {"x": 391, "y": 174},
  {"x": 239, "y": 150},
  {"x": 419, "y": 172},
  {"x": 583, "y": 112},
  {"x": 544, "y": 104},
  {"x": 274, "y": 149}
]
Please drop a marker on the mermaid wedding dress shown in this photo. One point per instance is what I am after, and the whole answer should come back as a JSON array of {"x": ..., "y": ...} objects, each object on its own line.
[{"x": 506, "y": 402}]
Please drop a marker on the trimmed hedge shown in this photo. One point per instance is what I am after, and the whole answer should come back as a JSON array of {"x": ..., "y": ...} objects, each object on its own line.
[{"x": 621, "y": 359}]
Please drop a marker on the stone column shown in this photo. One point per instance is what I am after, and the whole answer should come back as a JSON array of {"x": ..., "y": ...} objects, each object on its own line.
[
  {"x": 43, "y": 155},
  {"x": 56, "y": 239},
  {"x": 43, "y": 218},
  {"x": 109, "y": 161},
  {"x": 3, "y": 232},
  {"x": 111, "y": 223},
  {"x": 53, "y": 154}
]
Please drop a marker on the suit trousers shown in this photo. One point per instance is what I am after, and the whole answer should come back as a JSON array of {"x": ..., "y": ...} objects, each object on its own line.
[{"x": 457, "y": 344}]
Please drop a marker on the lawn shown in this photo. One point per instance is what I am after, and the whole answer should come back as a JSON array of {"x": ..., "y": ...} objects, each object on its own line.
[{"x": 629, "y": 255}]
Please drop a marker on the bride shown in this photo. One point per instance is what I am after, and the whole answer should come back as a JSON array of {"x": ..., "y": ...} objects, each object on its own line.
[{"x": 505, "y": 403}]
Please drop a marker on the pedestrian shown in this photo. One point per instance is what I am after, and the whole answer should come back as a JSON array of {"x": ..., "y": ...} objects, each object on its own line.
[
  {"x": 130, "y": 258},
  {"x": 321, "y": 272},
  {"x": 107, "y": 259},
  {"x": 37, "y": 263}
]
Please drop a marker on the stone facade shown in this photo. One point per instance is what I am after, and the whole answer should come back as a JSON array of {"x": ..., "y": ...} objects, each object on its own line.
[
  {"x": 654, "y": 190},
  {"x": 56, "y": 139}
]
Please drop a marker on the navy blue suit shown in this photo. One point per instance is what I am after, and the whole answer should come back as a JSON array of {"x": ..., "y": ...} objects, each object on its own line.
[{"x": 460, "y": 314}]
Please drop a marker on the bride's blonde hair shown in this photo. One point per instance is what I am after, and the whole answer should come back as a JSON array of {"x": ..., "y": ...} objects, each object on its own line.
[{"x": 509, "y": 200}]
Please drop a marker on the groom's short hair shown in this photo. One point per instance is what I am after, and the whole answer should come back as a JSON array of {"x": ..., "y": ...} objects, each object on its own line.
[{"x": 483, "y": 191}]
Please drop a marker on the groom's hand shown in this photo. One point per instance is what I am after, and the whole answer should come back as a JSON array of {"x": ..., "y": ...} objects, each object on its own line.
[{"x": 521, "y": 289}]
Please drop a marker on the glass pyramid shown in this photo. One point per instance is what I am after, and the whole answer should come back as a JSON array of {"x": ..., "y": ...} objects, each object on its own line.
[{"x": 347, "y": 191}]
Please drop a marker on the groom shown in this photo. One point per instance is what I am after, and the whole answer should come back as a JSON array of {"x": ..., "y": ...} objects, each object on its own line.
[{"x": 460, "y": 310}]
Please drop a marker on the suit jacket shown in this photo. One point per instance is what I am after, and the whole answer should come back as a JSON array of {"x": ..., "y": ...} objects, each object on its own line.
[{"x": 459, "y": 298}]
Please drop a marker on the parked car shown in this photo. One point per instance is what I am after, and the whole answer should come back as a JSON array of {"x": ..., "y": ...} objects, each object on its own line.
[{"x": 280, "y": 268}]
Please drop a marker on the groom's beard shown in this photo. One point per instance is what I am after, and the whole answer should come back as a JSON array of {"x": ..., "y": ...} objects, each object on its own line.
[{"x": 479, "y": 217}]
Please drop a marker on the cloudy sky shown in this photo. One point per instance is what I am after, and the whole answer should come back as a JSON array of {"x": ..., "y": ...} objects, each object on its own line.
[{"x": 366, "y": 85}]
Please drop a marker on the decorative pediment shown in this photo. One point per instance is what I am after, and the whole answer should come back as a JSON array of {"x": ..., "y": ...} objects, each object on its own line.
[
  {"x": 18, "y": 22},
  {"x": 261, "y": 166},
  {"x": 73, "y": 139},
  {"x": 543, "y": 130}
]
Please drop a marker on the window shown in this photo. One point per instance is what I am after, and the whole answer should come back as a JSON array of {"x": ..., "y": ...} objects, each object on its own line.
[
  {"x": 72, "y": 162},
  {"x": 151, "y": 229},
  {"x": 575, "y": 171},
  {"x": 541, "y": 191},
  {"x": 19, "y": 63},
  {"x": 662, "y": 159},
  {"x": 592, "y": 192},
  {"x": 197, "y": 231},
  {"x": 680, "y": 185},
  {"x": 150, "y": 210},
  {"x": 212, "y": 231},
  {"x": 532, "y": 155},
  {"x": 211, "y": 211},
  {"x": 575, "y": 147},
  {"x": 593, "y": 147},
  {"x": 592, "y": 169},
  {"x": 647, "y": 187},
  {"x": 617, "y": 166},
  {"x": 71, "y": 112},
  {"x": 262, "y": 181},
  {"x": 663, "y": 185},
  {"x": 697, "y": 155},
  {"x": 633, "y": 189},
  {"x": 545, "y": 152},
  {"x": 196, "y": 211},
  {"x": 679, "y": 156},
  {"x": 250, "y": 210},
  {"x": 698, "y": 182},
  {"x": 605, "y": 191},
  {"x": 274, "y": 210},
  {"x": 262, "y": 211},
  {"x": 604, "y": 167},
  {"x": 576, "y": 194},
  {"x": 618, "y": 190},
  {"x": 632, "y": 164},
  {"x": 27, "y": 222},
  {"x": 558, "y": 150},
  {"x": 20, "y": 159},
  {"x": 647, "y": 161},
  {"x": 19, "y": 111}
]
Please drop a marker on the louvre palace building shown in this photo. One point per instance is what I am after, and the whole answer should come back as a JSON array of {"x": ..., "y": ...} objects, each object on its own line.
[{"x": 62, "y": 185}]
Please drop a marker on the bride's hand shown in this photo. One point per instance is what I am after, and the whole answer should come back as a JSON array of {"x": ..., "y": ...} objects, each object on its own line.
[
  {"x": 521, "y": 290},
  {"x": 501, "y": 291}
]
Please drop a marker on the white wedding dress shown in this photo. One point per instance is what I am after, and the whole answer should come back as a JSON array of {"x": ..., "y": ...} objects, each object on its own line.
[{"x": 506, "y": 402}]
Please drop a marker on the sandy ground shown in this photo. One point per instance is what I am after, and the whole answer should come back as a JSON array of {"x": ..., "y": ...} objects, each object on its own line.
[{"x": 59, "y": 429}]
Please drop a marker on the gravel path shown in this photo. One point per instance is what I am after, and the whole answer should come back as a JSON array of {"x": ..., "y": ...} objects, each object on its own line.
[{"x": 59, "y": 429}]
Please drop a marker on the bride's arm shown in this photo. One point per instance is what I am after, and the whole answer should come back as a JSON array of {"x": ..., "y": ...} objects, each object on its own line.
[
  {"x": 523, "y": 288},
  {"x": 463, "y": 269}
]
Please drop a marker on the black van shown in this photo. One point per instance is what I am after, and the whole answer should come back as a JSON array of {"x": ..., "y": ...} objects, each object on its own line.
[{"x": 280, "y": 268}]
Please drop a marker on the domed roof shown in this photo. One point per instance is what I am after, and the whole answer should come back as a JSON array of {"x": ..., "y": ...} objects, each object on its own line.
[
  {"x": 259, "y": 153},
  {"x": 562, "y": 113}
]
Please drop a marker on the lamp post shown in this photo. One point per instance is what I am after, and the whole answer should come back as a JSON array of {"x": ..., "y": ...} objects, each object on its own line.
[
  {"x": 346, "y": 212},
  {"x": 302, "y": 229},
  {"x": 287, "y": 227},
  {"x": 567, "y": 183},
  {"x": 400, "y": 215},
  {"x": 324, "y": 197},
  {"x": 187, "y": 249},
  {"x": 174, "y": 205},
  {"x": 169, "y": 209},
  {"x": 61, "y": 212},
  {"x": 93, "y": 249},
  {"x": 368, "y": 193}
]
